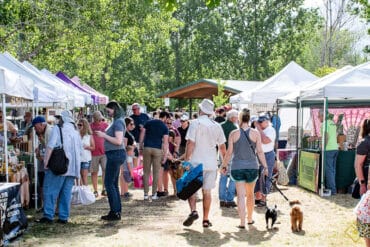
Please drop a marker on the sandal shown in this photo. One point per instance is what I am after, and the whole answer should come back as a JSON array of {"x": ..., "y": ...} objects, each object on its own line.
[
  {"x": 206, "y": 223},
  {"x": 189, "y": 221},
  {"x": 251, "y": 223},
  {"x": 241, "y": 227},
  {"x": 96, "y": 194}
]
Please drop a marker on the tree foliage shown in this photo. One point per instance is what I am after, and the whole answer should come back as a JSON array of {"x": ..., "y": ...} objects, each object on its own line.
[{"x": 133, "y": 50}]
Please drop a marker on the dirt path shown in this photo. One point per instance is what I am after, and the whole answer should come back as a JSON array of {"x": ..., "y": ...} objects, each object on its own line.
[{"x": 327, "y": 222}]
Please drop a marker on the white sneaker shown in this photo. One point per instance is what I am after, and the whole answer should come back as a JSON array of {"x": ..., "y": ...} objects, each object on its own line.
[
  {"x": 146, "y": 197},
  {"x": 155, "y": 197}
]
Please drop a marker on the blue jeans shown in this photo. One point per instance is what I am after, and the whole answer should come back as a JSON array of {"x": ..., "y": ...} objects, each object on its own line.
[
  {"x": 226, "y": 189},
  {"x": 115, "y": 159},
  {"x": 57, "y": 188},
  {"x": 262, "y": 182},
  {"x": 330, "y": 170}
]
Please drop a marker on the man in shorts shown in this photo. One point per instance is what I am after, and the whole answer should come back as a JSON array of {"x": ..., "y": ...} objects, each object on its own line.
[{"x": 202, "y": 137}]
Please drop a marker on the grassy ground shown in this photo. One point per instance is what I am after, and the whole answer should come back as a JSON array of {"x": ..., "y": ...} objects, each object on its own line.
[{"x": 327, "y": 222}]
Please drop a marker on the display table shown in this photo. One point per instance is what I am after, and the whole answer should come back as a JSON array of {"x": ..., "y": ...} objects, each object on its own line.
[
  {"x": 13, "y": 221},
  {"x": 310, "y": 169}
]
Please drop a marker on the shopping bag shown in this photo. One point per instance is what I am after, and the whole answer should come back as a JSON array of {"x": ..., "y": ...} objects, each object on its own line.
[
  {"x": 138, "y": 173},
  {"x": 283, "y": 178},
  {"x": 362, "y": 210},
  {"x": 190, "y": 182},
  {"x": 82, "y": 195}
]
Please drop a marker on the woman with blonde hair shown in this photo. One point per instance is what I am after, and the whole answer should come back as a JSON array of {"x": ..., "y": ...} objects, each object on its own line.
[
  {"x": 88, "y": 145},
  {"x": 243, "y": 144}
]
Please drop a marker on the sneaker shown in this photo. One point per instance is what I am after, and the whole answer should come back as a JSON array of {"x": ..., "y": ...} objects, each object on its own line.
[
  {"x": 191, "y": 218},
  {"x": 62, "y": 221},
  {"x": 127, "y": 195},
  {"x": 111, "y": 216},
  {"x": 146, "y": 197},
  {"x": 155, "y": 197},
  {"x": 160, "y": 193},
  {"x": 222, "y": 204}
]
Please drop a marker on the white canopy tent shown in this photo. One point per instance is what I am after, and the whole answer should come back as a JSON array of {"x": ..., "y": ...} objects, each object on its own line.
[
  {"x": 290, "y": 78},
  {"x": 14, "y": 85},
  {"x": 349, "y": 84},
  {"x": 347, "y": 87},
  {"x": 73, "y": 97},
  {"x": 44, "y": 91}
]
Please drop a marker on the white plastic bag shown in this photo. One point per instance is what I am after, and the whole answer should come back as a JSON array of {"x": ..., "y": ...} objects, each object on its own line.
[
  {"x": 82, "y": 195},
  {"x": 283, "y": 178}
]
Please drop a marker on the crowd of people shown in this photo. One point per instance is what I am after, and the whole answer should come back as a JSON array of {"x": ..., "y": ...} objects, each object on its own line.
[{"x": 238, "y": 145}]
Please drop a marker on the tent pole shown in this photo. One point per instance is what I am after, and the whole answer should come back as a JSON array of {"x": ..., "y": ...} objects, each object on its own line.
[
  {"x": 323, "y": 144},
  {"x": 5, "y": 128},
  {"x": 190, "y": 108},
  {"x": 34, "y": 144}
]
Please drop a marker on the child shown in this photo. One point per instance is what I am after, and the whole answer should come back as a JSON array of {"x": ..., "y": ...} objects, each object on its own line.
[{"x": 127, "y": 175}]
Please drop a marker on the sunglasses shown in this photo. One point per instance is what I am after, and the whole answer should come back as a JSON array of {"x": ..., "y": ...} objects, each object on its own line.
[
  {"x": 134, "y": 109},
  {"x": 79, "y": 125},
  {"x": 132, "y": 124},
  {"x": 169, "y": 122}
]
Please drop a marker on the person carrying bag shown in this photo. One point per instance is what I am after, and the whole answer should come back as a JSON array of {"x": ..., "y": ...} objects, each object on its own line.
[{"x": 58, "y": 162}]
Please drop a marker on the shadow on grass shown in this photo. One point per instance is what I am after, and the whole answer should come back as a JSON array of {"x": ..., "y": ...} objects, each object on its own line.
[{"x": 86, "y": 219}]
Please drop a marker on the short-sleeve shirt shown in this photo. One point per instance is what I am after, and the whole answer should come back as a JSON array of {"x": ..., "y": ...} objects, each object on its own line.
[
  {"x": 271, "y": 134},
  {"x": 206, "y": 134},
  {"x": 331, "y": 129},
  {"x": 155, "y": 129},
  {"x": 183, "y": 135},
  {"x": 139, "y": 120},
  {"x": 99, "y": 141},
  {"x": 117, "y": 125},
  {"x": 227, "y": 127},
  {"x": 364, "y": 148}
]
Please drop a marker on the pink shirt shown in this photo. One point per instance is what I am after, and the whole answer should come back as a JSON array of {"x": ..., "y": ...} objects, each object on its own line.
[{"x": 99, "y": 141}]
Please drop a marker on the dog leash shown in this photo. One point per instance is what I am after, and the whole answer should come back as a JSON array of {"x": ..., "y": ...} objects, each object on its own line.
[{"x": 272, "y": 182}]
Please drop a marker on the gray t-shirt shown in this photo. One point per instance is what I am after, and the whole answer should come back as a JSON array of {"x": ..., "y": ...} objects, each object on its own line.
[{"x": 117, "y": 125}]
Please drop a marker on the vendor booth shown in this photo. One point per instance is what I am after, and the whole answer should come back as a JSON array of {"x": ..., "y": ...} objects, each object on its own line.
[
  {"x": 15, "y": 90},
  {"x": 344, "y": 97}
]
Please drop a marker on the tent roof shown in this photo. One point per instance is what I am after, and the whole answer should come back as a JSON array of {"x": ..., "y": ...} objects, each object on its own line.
[
  {"x": 206, "y": 88},
  {"x": 353, "y": 84},
  {"x": 290, "y": 78},
  {"x": 291, "y": 98},
  {"x": 99, "y": 98},
  {"x": 66, "y": 79},
  {"x": 14, "y": 84}
]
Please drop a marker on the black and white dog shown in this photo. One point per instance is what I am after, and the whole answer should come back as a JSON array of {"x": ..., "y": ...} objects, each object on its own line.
[{"x": 271, "y": 213}]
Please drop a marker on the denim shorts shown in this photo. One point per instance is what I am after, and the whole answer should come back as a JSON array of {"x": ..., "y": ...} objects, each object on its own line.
[
  {"x": 244, "y": 175},
  {"x": 85, "y": 165}
]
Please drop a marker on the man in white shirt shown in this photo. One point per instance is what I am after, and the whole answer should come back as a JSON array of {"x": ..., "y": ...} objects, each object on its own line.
[
  {"x": 268, "y": 136},
  {"x": 202, "y": 138}
]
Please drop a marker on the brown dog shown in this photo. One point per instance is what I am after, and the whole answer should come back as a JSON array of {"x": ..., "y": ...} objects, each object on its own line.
[
  {"x": 296, "y": 216},
  {"x": 177, "y": 169}
]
